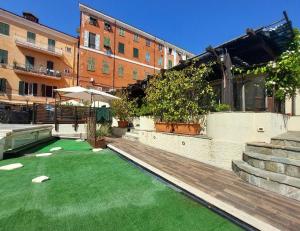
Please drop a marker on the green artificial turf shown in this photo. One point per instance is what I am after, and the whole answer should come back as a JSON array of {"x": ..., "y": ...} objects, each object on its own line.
[{"x": 94, "y": 191}]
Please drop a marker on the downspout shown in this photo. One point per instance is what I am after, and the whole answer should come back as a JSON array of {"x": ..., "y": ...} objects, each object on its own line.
[
  {"x": 114, "y": 66},
  {"x": 78, "y": 49}
]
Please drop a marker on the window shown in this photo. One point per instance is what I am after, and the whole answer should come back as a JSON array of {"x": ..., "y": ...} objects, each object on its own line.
[
  {"x": 29, "y": 62},
  {"x": 47, "y": 91},
  {"x": 93, "y": 21},
  {"x": 2, "y": 85},
  {"x": 147, "y": 57},
  {"x": 69, "y": 49},
  {"x": 3, "y": 56},
  {"x": 148, "y": 42},
  {"x": 105, "y": 67},
  {"x": 120, "y": 71},
  {"x": 135, "y": 52},
  {"x": 121, "y": 48},
  {"x": 135, "y": 74},
  {"x": 136, "y": 37},
  {"x": 170, "y": 64},
  {"x": 106, "y": 42},
  {"x": 30, "y": 37},
  {"x": 91, "y": 64},
  {"x": 27, "y": 88},
  {"x": 160, "y": 47},
  {"x": 4, "y": 28},
  {"x": 50, "y": 68},
  {"x": 121, "y": 32},
  {"x": 92, "y": 40},
  {"x": 170, "y": 51},
  {"x": 160, "y": 61},
  {"x": 107, "y": 26},
  {"x": 51, "y": 45}
]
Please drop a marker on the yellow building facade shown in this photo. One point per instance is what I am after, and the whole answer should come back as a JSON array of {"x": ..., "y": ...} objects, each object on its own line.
[{"x": 34, "y": 60}]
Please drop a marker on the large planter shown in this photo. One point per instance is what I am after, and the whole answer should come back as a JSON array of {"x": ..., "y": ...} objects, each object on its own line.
[
  {"x": 123, "y": 124},
  {"x": 99, "y": 142},
  {"x": 187, "y": 128},
  {"x": 164, "y": 127}
]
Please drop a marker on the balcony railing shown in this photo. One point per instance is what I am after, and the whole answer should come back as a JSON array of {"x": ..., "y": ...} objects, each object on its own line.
[
  {"x": 44, "y": 48},
  {"x": 42, "y": 72}
]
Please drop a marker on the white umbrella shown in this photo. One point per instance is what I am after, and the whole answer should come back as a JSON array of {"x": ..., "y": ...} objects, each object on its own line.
[{"x": 86, "y": 94}]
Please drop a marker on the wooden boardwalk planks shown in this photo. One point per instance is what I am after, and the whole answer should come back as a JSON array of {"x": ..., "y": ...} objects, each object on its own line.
[{"x": 279, "y": 211}]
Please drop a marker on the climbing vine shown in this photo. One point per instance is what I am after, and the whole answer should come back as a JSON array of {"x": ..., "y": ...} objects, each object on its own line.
[{"x": 283, "y": 74}]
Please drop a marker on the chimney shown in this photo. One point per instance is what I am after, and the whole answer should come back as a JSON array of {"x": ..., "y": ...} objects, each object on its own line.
[{"x": 29, "y": 16}]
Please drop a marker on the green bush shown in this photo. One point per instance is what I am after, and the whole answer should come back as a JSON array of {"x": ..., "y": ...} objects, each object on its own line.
[
  {"x": 103, "y": 130},
  {"x": 222, "y": 107},
  {"x": 124, "y": 108}
]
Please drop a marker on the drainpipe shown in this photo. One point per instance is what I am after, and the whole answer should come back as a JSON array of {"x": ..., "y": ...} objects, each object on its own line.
[
  {"x": 114, "y": 66},
  {"x": 78, "y": 50}
]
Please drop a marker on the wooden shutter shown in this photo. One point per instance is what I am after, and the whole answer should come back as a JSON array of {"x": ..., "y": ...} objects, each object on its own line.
[
  {"x": 97, "y": 42},
  {"x": 86, "y": 38},
  {"x": 43, "y": 89},
  {"x": 2, "y": 85},
  {"x": 21, "y": 87}
]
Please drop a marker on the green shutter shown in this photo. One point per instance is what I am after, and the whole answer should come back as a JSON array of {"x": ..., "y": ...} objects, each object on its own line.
[
  {"x": 51, "y": 45},
  {"x": 30, "y": 37},
  {"x": 121, "y": 32},
  {"x": 105, "y": 67},
  {"x": 135, "y": 74},
  {"x": 135, "y": 52},
  {"x": 121, "y": 48},
  {"x": 120, "y": 71},
  {"x": 170, "y": 64},
  {"x": 160, "y": 61},
  {"x": 3, "y": 56},
  {"x": 4, "y": 28},
  {"x": 21, "y": 88},
  {"x": 91, "y": 64},
  {"x": 106, "y": 42}
]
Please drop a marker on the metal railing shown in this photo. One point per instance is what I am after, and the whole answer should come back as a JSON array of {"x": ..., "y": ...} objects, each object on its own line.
[
  {"x": 39, "y": 71},
  {"x": 38, "y": 46}
]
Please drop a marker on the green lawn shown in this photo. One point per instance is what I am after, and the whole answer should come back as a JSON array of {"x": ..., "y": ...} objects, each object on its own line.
[{"x": 89, "y": 191}]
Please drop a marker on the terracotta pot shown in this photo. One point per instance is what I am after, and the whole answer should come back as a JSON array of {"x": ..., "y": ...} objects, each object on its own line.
[
  {"x": 99, "y": 143},
  {"x": 187, "y": 129},
  {"x": 123, "y": 124},
  {"x": 164, "y": 127}
]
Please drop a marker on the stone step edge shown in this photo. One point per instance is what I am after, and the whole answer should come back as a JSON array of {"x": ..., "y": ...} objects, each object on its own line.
[
  {"x": 285, "y": 139},
  {"x": 271, "y": 176},
  {"x": 273, "y": 146},
  {"x": 266, "y": 157}
]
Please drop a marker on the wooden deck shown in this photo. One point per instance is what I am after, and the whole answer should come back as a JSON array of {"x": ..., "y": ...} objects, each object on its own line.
[{"x": 278, "y": 211}]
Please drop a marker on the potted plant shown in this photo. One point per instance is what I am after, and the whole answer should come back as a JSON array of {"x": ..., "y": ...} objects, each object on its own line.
[
  {"x": 123, "y": 109},
  {"x": 179, "y": 98},
  {"x": 103, "y": 131}
]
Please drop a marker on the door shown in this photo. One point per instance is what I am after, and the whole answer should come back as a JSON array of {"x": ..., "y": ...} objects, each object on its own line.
[
  {"x": 50, "y": 67},
  {"x": 29, "y": 62},
  {"x": 51, "y": 45}
]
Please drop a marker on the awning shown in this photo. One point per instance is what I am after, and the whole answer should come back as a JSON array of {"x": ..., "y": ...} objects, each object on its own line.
[{"x": 90, "y": 95}]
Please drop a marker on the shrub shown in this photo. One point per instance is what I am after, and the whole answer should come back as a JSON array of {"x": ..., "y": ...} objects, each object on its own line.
[
  {"x": 124, "y": 108},
  {"x": 222, "y": 107}
]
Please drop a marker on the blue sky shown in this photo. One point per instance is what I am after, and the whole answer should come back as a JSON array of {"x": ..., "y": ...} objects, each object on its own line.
[{"x": 190, "y": 24}]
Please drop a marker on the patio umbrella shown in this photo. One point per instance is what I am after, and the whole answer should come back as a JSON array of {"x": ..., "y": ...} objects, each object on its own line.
[{"x": 86, "y": 94}]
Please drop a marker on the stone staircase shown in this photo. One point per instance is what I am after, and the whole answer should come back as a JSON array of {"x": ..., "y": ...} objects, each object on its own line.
[
  {"x": 132, "y": 135},
  {"x": 274, "y": 166}
]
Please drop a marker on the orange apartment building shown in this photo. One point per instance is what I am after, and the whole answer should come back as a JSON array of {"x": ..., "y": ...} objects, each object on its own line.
[
  {"x": 34, "y": 59},
  {"x": 113, "y": 54}
]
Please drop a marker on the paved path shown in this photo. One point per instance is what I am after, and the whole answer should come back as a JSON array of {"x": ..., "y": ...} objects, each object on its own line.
[{"x": 258, "y": 207}]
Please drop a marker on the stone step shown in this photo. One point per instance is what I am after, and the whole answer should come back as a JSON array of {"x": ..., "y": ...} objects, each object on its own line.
[
  {"x": 134, "y": 131},
  {"x": 275, "y": 182},
  {"x": 291, "y": 138},
  {"x": 131, "y": 136},
  {"x": 274, "y": 150},
  {"x": 282, "y": 165}
]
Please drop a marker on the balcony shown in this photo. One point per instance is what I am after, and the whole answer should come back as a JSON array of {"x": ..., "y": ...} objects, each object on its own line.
[
  {"x": 40, "y": 72},
  {"x": 43, "y": 48}
]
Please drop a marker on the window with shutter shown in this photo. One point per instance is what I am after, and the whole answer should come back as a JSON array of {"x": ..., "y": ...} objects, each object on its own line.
[
  {"x": 51, "y": 45},
  {"x": 136, "y": 37},
  {"x": 91, "y": 64},
  {"x": 170, "y": 64},
  {"x": 3, "y": 56},
  {"x": 21, "y": 88},
  {"x": 135, "y": 74},
  {"x": 120, "y": 71},
  {"x": 148, "y": 42},
  {"x": 121, "y": 32},
  {"x": 92, "y": 40},
  {"x": 135, "y": 52},
  {"x": 2, "y": 85},
  {"x": 160, "y": 61},
  {"x": 4, "y": 28},
  {"x": 106, "y": 42},
  {"x": 43, "y": 89},
  {"x": 105, "y": 67},
  {"x": 93, "y": 21},
  {"x": 121, "y": 48},
  {"x": 97, "y": 42},
  {"x": 29, "y": 62},
  {"x": 147, "y": 57},
  {"x": 31, "y": 37},
  {"x": 34, "y": 89},
  {"x": 86, "y": 38}
]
